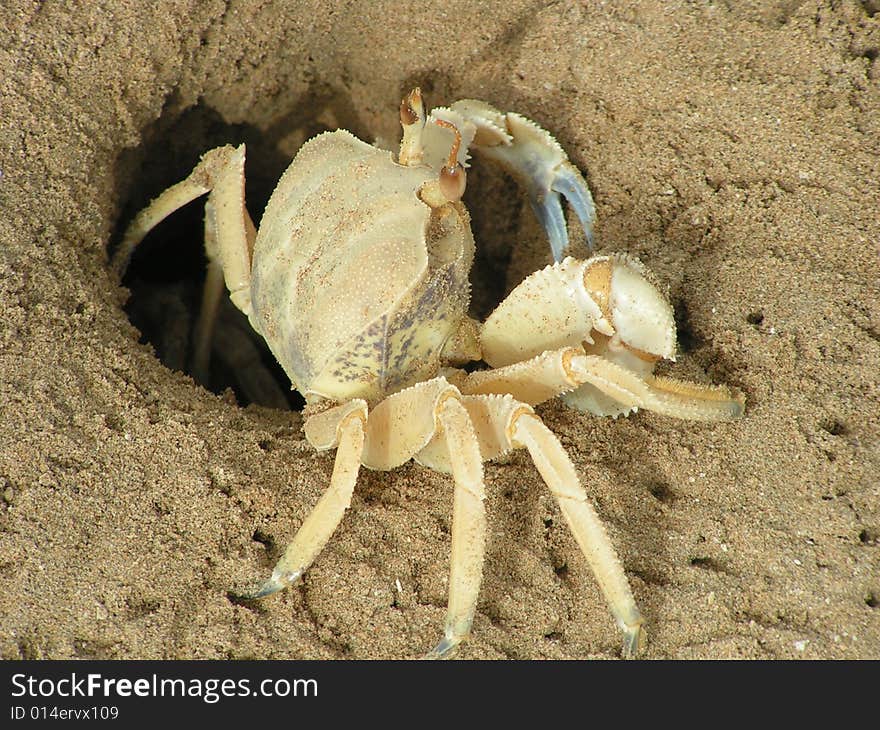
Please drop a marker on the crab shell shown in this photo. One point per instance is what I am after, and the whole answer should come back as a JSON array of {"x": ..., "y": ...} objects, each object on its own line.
[{"x": 372, "y": 281}]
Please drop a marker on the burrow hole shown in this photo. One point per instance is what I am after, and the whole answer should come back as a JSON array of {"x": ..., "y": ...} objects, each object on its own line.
[
  {"x": 834, "y": 427},
  {"x": 662, "y": 492},
  {"x": 688, "y": 339},
  {"x": 167, "y": 271}
]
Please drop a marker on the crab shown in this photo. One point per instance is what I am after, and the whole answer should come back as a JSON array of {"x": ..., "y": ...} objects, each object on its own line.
[{"x": 358, "y": 281}]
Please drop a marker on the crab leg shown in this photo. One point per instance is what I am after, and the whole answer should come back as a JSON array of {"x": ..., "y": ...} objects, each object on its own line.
[
  {"x": 668, "y": 396},
  {"x": 537, "y": 160},
  {"x": 203, "y": 336},
  {"x": 229, "y": 236},
  {"x": 532, "y": 381},
  {"x": 344, "y": 428},
  {"x": 215, "y": 236},
  {"x": 399, "y": 429},
  {"x": 468, "y": 524},
  {"x": 559, "y": 474},
  {"x": 234, "y": 345},
  {"x": 501, "y": 423}
]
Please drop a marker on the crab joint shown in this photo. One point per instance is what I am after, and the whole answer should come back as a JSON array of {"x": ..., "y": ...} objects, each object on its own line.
[{"x": 452, "y": 176}]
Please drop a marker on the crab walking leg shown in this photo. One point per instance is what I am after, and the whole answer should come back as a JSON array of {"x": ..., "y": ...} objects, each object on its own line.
[
  {"x": 325, "y": 517},
  {"x": 560, "y": 476},
  {"x": 537, "y": 160},
  {"x": 220, "y": 172},
  {"x": 430, "y": 417},
  {"x": 213, "y": 288},
  {"x": 234, "y": 346},
  {"x": 204, "y": 329},
  {"x": 468, "y": 523}
]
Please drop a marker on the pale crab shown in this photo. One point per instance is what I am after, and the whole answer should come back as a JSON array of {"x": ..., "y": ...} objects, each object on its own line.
[{"x": 358, "y": 281}]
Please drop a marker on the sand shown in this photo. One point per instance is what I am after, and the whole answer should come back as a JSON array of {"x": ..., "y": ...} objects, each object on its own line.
[{"x": 733, "y": 147}]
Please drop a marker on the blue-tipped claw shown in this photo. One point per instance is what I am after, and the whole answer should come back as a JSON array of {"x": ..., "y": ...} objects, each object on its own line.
[
  {"x": 569, "y": 182},
  {"x": 538, "y": 162},
  {"x": 548, "y": 211}
]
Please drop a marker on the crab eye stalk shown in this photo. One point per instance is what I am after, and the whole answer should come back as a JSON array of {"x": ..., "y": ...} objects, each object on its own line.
[
  {"x": 412, "y": 119},
  {"x": 452, "y": 175},
  {"x": 412, "y": 109}
]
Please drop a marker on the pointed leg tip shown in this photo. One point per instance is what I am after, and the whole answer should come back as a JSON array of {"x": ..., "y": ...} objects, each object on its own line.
[
  {"x": 634, "y": 641},
  {"x": 738, "y": 404},
  {"x": 445, "y": 649},
  {"x": 268, "y": 587},
  {"x": 252, "y": 595}
]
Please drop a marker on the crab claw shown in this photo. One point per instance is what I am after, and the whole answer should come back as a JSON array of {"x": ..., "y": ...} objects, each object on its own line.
[
  {"x": 544, "y": 195},
  {"x": 568, "y": 182},
  {"x": 539, "y": 163}
]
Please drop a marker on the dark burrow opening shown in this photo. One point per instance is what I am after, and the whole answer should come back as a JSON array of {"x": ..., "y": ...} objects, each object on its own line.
[{"x": 166, "y": 274}]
